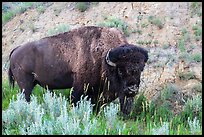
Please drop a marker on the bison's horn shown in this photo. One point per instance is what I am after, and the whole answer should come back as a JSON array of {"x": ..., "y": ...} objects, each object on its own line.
[{"x": 109, "y": 61}]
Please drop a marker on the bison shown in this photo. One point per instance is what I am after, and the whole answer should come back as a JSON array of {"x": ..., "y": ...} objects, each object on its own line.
[{"x": 98, "y": 58}]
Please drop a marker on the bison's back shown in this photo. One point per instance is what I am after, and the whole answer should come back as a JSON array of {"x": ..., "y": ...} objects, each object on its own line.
[{"x": 85, "y": 48}]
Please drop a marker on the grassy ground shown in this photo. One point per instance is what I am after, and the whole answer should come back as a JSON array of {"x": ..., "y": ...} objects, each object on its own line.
[{"x": 147, "y": 118}]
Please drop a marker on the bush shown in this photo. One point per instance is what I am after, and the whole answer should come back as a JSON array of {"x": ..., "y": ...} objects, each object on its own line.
[
  {"x": 181, "y": 45},
  {"x": 19, "y": 8},
  {"x": 186, "y": 75},
  {"x": 56, "y": 116},
  {"x": 197, "y": 32},
  {"x": 82, "y": 6},
  {"x": 41, "y": 9},
  {"x": 197, "y": 57},
  {"x": 192, "y": 109},
  {"x": 194, "y": 125},
  {"x": 196, "y": 9},
  {"x": 7, "y": 16},
  {"x": 155, "y": 21},
  {"x": 117, "y": 23},
  {"x": 168, "y": 91},
  {"x": 197, "y": 87},
  {"x": 59, "y": 29}
]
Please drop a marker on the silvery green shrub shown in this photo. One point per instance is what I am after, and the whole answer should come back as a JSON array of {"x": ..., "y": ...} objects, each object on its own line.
[
  {"x": 194, "y": 104},
  {"x": 194, "y": 125},
  {"x": 53, "y": 104},
  {"x": 20, "y": 111},
  {"x": 163, "y": 130},
  {"x": 56, "y": 116},
  {"x": 110, "y": 113}
]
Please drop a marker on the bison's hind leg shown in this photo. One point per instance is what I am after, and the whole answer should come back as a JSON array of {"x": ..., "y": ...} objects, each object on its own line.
[{"x": 26, "y": 83}]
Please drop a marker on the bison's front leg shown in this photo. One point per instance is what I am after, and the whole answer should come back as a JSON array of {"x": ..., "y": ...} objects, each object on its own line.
[
  {"x": 126, "y": 104},
  {"x": 76, "y": 95},
  {"x": 78, "y": 90}
]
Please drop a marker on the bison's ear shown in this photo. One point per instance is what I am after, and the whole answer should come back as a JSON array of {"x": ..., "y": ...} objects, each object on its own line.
[{"x": 109, "y": 59}]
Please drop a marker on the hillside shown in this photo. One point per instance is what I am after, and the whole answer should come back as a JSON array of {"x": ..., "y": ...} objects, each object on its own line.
[{"x": 171, "y": 32}]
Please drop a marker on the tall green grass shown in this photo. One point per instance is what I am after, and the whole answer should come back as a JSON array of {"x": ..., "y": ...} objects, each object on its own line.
[{"x": 52, "y": 113}]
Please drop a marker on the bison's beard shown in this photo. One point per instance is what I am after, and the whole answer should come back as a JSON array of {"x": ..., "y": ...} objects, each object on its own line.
[{"x": 126, "y": 104}]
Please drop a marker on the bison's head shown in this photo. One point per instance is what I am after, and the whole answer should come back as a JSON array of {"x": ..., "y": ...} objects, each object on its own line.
[{"x": 128, "y": 61}]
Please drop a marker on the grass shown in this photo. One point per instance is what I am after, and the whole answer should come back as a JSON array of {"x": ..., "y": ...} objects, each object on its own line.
[
  {"x": 82, "y": 6},
  {"x": 197, "y": 32},
  {"x": 144, "y": 25},
  {"x": 196, "y": 9},
  {"x": 165, "y": 46},
  {"x": 156, "y": 42},
  {"x": 197, "y": 87},
  {"x": 186, "y": 75},
  {"x": 41, "y": 9},
  {"x": 111, "y": 22},
  {"x": 61, "y": 28},
  {"x": 185, "y": 57},
  {"x": 142, "y": 42},
  {"x": 181, "y": 45},
  {"x": 57, "y": 11},
  {"x": 189, "y": 58},
  {"x": 18, "y": 9},
  {"x": 156, "y": 21},
  {"x": 197, "y": 57},
  {"x": 54, "y": 115},
  {"x": 32, "y": 27}
]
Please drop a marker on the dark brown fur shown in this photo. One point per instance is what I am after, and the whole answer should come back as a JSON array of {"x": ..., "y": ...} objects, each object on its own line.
[{"x": 72, "y": 59}]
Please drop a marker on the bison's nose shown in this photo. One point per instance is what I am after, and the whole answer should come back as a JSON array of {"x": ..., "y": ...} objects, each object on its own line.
[{"x": 132, "y": 90}]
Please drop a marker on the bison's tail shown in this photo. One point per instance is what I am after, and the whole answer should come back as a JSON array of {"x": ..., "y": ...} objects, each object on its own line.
[
  {"x": 11, "y": 79},
  {"x": 10, "y": 74}
]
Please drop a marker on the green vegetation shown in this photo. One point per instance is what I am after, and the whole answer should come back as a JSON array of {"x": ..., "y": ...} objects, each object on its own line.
[
  {"x": 32, "y": 27},
  {"x": 144, "y": 25},
  {"x": 20, "y": 7},
  {"x": 82, "y": 6},
  {"x": 156, "y": 42},
  {"x": 139, "y": 31},
  {"x": 156, "y": 21},
  {"x": 197, "y": 32},
  {"x": 185, "y": 35},
  {"x": 197, "y": 57},
  {"x": 61, "y": 28},
  {"x": 198, "y": 87},
  {"x": 142, "y": 42},
  {"x": 41, "y": 9},
  {"x": 165, "y": 46},
  {"x": 181, "y": 45},
  {"x": 189, "y": 58},
  {"x": 186, "y": 75},
  {"x": 53, "y": 114},
  {"x": 185, "y": 57},
  {"x": 168, "y": 91},
  {"x": 111, "y": 22},
  {"x": 57, "y": 11},
  {"x": 196, "y": 9}
]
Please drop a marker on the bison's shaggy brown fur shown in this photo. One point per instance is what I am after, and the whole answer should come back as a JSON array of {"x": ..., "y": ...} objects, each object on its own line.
[{"x": 79, "y": 58}]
